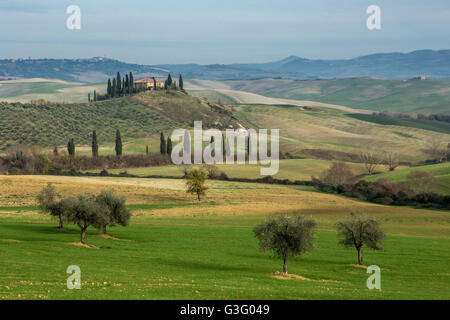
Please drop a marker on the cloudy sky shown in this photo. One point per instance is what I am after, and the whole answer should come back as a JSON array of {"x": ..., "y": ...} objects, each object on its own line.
[{"x": 225, "y": 31}]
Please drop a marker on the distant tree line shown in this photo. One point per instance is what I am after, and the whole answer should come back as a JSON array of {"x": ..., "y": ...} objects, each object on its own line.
[
  {"x": 419, "y": 189},
  {"x": 436, "y": 116},
  {"x": 31, "y": 160}
]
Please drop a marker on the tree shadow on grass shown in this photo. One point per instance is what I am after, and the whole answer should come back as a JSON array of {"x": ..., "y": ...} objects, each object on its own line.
[{"x": 34, "y": 231}]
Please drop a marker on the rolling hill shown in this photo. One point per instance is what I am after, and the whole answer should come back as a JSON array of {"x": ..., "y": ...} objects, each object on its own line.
[
  {"x": 416, "y": 96},
  {"x": 26, "y": 90},
  {"x": 430, "y": 63},
  {"x": 333, "y": 134},
  {"x": 138, "y": 116},
  {"x": 440, "y": 171},
  {"x": 307, "y": 129}
]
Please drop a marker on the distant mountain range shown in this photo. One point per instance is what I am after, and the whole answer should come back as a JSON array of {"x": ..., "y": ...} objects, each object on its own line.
[{"x": 428, "y": 63}]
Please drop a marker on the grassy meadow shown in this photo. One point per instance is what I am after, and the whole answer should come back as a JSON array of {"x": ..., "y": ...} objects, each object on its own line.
[
  {"x": 292, "y": 169},
  {"x": 177, "y": 248},
  {"x": 440, "y": 171},
  {"x": 306, "y": 130},
  {"x": 27, "y": 90},
  {"x": 428, "y": 96}
]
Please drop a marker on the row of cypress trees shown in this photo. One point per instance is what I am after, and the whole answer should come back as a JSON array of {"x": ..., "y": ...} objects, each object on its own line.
[
  {"x": 165, "y": 147},
  {"x": 170, "y": 84},
  {"x": 120, "y": 86}
]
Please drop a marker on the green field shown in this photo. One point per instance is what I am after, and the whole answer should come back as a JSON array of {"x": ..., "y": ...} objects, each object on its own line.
[
  {"x": 438, "y": 126},
  {"x": 177, "y": 249},
  {"x": 292, "y": 169},
  {"x": 335, "y": 134},
  {"x": 209, "y": 259},
  {"x": 440, "y": 171},
  {"x": 428, "y": 96},
  {"x": 50, "y": 90}
]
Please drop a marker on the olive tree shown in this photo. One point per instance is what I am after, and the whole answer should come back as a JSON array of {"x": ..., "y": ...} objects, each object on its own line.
[
  {"x": 85, "y": 211},
  {"x": 286, "y": 236},
  {"x": 195, "y": 182},
  {"x": 117, "y": 212},
  {"x": 358, "y": 231},
  {"x": 48, "y": 201}
]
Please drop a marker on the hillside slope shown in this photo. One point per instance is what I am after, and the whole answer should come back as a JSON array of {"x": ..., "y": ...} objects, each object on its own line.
[
  {"x": 96, "y": 69},
  {"x": 426, "y": 96},
  {"x": 138, "y": 116},
  {"x": 440, "y": 171},
  {"x": 333, "y": 134},
  {"x": 26, "y": 90}
]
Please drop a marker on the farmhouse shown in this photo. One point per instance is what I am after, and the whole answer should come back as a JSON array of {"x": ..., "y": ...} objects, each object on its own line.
[{"x": 148, "y": 83}]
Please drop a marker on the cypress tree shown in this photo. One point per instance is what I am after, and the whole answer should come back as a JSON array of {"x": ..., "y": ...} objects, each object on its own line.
[
  {"x": 109, "y": 88},
  {"x": 89, "y": 97},
  {"x": 223, "y": 145},
  {"x": 169, "y": 80},
  {"x": 127, "y": 84},
  {"x": 180, "y": 82},
  {"x": 94, "y": 145},
  {"x": 71, "y": 148},
  {"x": 131, "y": 83},
  {"x": 119, "y": 84},
  {"x": 95, "y": 95},
  {"x": 169, "y": 145},
  {"x": 118, "y": 143},
  {"x": 162, "y": 145},
  {"x": 146, "y": 149},
  {"x": 165, "y": 85},
  {"x": 114, "y": 88},
  {"x": 154, "y": 83}
]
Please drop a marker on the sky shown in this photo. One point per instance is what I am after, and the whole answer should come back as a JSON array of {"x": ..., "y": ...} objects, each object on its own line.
[{"x": 225, "y": 31}]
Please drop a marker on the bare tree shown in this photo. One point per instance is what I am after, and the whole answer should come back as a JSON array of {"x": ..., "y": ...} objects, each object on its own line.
[
  {"x": 391, "y": 159},
  {"x": 338, "y": 174},
  {"x": 437, "y": 149},
  {"x": 370, "y": 160},
  {"x": 359, "y": 231}
]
